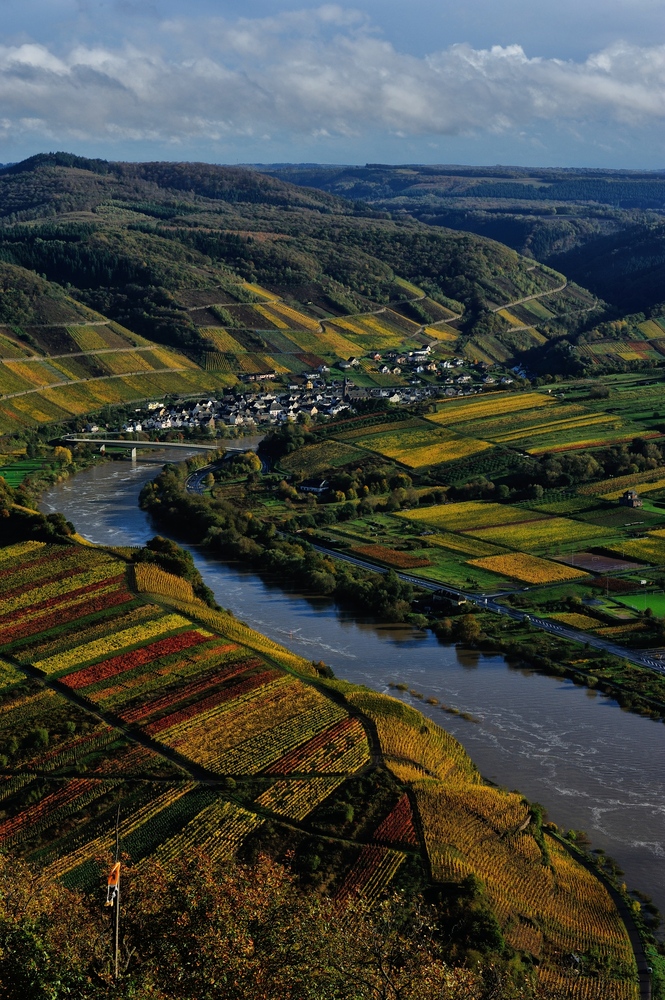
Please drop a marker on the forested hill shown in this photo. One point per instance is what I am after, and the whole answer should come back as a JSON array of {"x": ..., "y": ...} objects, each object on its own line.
[
  {"x": 603, "y": 228},
  {"x": 53, "y": 183},
  {"x": 623, "y": 189},
  {"x": 137, "y": 241}
]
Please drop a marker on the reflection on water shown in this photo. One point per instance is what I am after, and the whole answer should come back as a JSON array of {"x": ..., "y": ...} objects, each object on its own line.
[{"x": 592, "y": 765}]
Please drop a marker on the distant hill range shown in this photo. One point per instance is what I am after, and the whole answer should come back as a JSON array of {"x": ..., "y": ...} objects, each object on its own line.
[{"x": 603, "y": 228}]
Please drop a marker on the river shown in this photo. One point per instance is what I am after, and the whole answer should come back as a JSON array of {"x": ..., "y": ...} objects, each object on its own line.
[{"x": 592, "y": 765}]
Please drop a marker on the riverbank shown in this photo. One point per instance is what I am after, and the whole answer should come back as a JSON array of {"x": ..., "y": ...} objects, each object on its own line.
[
  {"x": 592, "y": 765},
  {"x": 244, "y": 526}
]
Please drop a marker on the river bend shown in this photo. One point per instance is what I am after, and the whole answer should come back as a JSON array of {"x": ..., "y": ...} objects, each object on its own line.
[{"x": 592, "y": 765}]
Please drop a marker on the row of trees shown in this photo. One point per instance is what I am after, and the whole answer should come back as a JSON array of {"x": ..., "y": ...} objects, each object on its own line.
[{"x": 234, "y": 533}]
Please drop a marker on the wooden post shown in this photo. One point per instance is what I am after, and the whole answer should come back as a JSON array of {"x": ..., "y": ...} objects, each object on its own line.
[
  {"x": 113, "y": 898},
  {"x": 116, "y": 932}
]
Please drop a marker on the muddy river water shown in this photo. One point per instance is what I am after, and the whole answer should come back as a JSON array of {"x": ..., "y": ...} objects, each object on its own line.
[{"x": 592, "y": 765}]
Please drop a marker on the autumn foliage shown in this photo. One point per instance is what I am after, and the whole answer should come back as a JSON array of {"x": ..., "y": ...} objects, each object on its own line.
[{"x": 199, "y": 929}]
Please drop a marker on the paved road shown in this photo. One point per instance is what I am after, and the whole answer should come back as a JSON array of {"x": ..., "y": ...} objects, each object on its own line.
[{"x": 489, "y": 602}]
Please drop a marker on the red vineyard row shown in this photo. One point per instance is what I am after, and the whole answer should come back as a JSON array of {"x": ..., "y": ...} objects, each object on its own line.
[
  {"x": 228, "y": 694},
  {"x": 29, "y": 566},
  {"x": 36, "y": 812},
  {"x": 297, "y": 760},
  {"x": 137, "y": 658},
  {"x": 397, "y": 827},
  {"x": 158, "y": 704},
  {"x": 66, "y": 615}
]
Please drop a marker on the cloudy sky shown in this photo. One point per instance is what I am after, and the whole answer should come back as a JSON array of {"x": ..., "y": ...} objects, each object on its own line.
[{"x": 534, "y": 82}]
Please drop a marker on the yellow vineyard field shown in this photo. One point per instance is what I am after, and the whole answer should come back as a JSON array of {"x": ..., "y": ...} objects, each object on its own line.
[
  {"x": 417, "y": 446},
  {"x": 530, "y": 569},
  {"x": 112, "y": 643},
  {"x": 555, "y": 426},
  {"x": 245, "y": 636},
  {"x": 291, "y": 316},
  {"x": 443, "y": 451},
  {"x": 519, "y": 422},
  {"x": 295, "y": 799},
  {"x": 222, "y": 340},
  {"x": 557, "y": 904},
  {"x": 87, "y": 337},
  {"x": 126, "y": 363},
  {"x": 269, "y": 314},
  {"x": 492, "y": 406},
  {"x": 651, "y": 330},
  {"x": 548, "y": 533},
  {"x": 330, "y": 343},
  {"x": 150, "y": 579},
  {"x": 657, "y": 484},
  {"x": 399, "y": 728},
  {"x": 34, "y": 373},
  {"x": 219, "y": 829},
  {"x": 442, "y": 332},
  {"x": 558, "y": 984},
  {"x": 651, "y": 548},
  {"x": 470, "y": 514},
  {"x": 509, "y": 318},
  {"x": 576, "y": 620},
  {"x": 169, "y": 359},
  {"x": 259, "y": 290}
]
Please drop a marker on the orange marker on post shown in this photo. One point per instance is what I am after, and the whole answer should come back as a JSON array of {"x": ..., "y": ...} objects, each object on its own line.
[{"x": 113, "y": 885}]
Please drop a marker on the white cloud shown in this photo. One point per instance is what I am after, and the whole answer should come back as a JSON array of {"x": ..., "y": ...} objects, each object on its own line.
[{"x": 322, "y": 72}]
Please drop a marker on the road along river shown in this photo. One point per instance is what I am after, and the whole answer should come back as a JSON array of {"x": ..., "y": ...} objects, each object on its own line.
[{"x": 592, "y": 765}]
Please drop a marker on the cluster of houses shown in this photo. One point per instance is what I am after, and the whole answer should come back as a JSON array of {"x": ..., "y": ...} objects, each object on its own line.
[
  {"x": 315, "y": 395},
  {"x": 410, "y": 364},
  {"x": 421, "y": 362},
  {"x": 245, "y": 410}
]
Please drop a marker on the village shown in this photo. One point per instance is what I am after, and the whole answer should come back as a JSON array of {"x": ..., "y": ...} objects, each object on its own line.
[{"x": 321, "y": 394}]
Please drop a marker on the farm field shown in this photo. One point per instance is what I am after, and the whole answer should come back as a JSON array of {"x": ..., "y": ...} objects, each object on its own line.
[
  {"x": 534, "y": 422},
  {"x": 529, "y": 569},
  {"x": 649, "y": 549},
  {"x": 420, "y": 446},
  {"x": 548, "y": 535},
  {"x": 468, "y": 542},
  {"x": 77, "y": 398},
  {"x": 315, "y": 458},
  {"x": 639, "y": 602},
  {"x": 472, "y": 514},
  {"x": 219, "y": 701}
]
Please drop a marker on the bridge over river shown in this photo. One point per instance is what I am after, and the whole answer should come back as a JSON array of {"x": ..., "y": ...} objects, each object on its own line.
[{"x": 133, "y": 446}]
